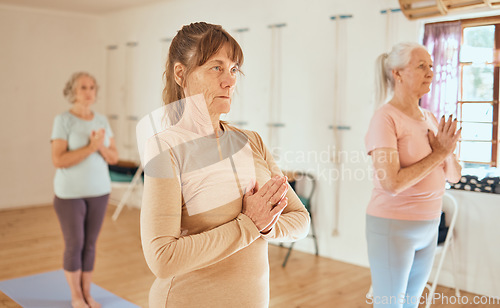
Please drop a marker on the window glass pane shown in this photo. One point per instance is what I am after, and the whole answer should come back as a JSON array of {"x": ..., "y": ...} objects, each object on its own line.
[
  {"x": 477, "y": 112},
  {"x": 477, "y": 83},
  {"x": 479, "y": 170},
  {"x": 476, "y": 131},
  {"x": 475, "y": 151},
  {"x": 478, "y": 45}
]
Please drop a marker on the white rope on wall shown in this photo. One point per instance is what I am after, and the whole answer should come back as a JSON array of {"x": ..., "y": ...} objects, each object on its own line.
[
  {"x": 131, "y": 119},
  {"x": 339, "y": 86},
  {"x": 390, "y": 27},
  {"x": 389, "y": 30},
  {"x": 112, "y": 87},
  {"x": 239, "y": 99},
  {"x": 115, "y": 94},
  {"x": 275, "y": 88}
]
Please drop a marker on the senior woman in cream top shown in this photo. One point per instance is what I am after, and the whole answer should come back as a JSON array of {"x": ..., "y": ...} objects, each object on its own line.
[{"x": 213, "y": 194}]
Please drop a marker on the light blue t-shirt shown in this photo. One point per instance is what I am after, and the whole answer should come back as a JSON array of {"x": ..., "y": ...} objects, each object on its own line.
[{"x": 89, "y": 178}]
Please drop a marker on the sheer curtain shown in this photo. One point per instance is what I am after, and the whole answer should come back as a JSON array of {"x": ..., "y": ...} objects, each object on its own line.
[{"x": 443, "y": 43}]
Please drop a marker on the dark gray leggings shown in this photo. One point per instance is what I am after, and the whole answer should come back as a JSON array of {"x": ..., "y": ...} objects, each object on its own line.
[{"x": 81, "y": 221}]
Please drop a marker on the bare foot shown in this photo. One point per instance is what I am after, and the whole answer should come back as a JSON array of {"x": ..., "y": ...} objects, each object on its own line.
[
  {"x": 79, "y": 303},
  {"x": 92, "y": 303}
]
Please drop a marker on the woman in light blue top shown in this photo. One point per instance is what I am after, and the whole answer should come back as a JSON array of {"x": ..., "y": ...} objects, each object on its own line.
[{"x": 82, "y": 148}]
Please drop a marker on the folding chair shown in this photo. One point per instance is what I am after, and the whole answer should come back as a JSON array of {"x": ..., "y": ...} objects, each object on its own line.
[
  {"x": 131, "y": 186},
  {"x": 304, "y": 185},
  {"x": 450, "y": 208}
]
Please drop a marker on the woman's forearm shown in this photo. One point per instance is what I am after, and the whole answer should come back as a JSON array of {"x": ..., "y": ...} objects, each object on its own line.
[
  {"x": 452, "y": 169},
  {"x": 72, "y": 158},
  {"x": 110, "y": 154},
  {"x": 401, "y": 179},
  {"x": 167, "y": 252},
  {"x": 169, "y": 255},
  {"x": 293, "y": 224}
]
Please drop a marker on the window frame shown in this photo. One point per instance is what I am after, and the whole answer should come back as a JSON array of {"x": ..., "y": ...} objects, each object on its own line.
[{"x": 476, "y": 22}]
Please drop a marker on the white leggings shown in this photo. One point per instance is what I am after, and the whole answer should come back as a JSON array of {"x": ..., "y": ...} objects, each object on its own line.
[{"x": 401, "y": 253}]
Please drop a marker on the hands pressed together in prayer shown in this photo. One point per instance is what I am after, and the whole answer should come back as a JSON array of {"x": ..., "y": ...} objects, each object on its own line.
[
  {"x": 445, "y": 141},
  {"x": 96, "y": 139},
  {"x": 265, "y": 205}
]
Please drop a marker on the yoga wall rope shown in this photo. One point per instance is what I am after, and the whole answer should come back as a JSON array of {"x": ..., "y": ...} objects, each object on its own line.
[
  {"x": 390, "y": 27},
  {"x": 339, "y": 85},
  {"x": 131, "y": 119},
  {"x": 113, "y": 89},
  {"x": 238, "y": 102},
  {"x": 275, "y": 89}
]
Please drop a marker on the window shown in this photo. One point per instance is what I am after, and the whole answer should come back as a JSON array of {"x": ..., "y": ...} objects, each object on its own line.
[{"x": 478, "y": 97}]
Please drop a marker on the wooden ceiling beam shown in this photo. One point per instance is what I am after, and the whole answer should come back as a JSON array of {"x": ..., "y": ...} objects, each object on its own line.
[{"x": 415, "y": 9}]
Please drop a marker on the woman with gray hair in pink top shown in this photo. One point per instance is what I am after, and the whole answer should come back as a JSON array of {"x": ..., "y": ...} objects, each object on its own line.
[{"x": 412, "y": 155}]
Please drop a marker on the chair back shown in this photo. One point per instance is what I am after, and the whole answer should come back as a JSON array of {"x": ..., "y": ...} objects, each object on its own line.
[
  {"x": 305, "y": 185},
  {"x": 450, "y": 208}
]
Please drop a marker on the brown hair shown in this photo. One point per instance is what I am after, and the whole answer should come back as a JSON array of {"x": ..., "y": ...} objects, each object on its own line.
[{"x": 193, "y": 45}]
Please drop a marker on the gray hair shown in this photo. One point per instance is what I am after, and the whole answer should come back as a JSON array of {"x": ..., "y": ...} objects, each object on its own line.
[
  {"x": 398, "y": 58},
  {"x": 69, "y": 88}
]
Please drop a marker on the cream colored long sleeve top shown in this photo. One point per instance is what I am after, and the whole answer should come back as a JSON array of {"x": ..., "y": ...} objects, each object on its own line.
[{"x": 202, "y": 249}]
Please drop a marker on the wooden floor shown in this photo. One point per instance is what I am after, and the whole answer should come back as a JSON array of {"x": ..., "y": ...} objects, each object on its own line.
[{"x": 31, "y": 242}]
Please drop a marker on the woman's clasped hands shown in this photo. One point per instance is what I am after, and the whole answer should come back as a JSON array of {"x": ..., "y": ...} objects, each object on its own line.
[
  {"x": 445, "y": 141},
  {"x": 96, "y": 139},
  {"x": 265, "y": 205}
]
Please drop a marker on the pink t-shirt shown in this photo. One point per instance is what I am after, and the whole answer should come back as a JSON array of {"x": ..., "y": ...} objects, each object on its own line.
[{"x": 391, "y": 128}]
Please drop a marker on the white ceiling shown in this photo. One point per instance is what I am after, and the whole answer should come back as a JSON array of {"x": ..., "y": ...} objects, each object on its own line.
[{"x": 81, "y": 6}]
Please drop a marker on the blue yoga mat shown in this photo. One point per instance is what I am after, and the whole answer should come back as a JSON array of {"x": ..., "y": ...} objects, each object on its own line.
[{"x": 50, "y": 290}]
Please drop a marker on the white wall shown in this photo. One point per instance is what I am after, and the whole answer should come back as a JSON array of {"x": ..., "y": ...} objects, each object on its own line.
[
  {"x": 39, "y": 51},
  {"x": 307, "y": 87}
]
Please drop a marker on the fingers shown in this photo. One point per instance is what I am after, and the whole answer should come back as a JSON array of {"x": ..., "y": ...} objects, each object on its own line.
[
  {"x": 441, "y": 124},
  {"x": 458, "y": 135},
  {"x": 263, "y": 191},
  {"x": 248, "y": 193},
  {"x": 453, "y": 127},
  {"x": 257, "y": 208},
  {"x": 275, "y": 213},
  {"x": 270, "y": 188},
  {"x": 255, "y": 188},
  {"x": 447, "y": 124},
  {"x": 431, "y": 136},
  {"x": 445, "y": 140},
  {"x": 270, "y": 225},
  {"x": 279, "y": 194},
  {"x": 97, "y": 134},
  {"x": 276, "y": 191},
  {"x": 447, "y": 127},
  {"x": 280, "y": 206},
  {"x": 252, "y": 188}
]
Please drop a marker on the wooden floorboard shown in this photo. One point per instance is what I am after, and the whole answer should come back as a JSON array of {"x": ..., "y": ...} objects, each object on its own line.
[{"x": 31, "y": 243}]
